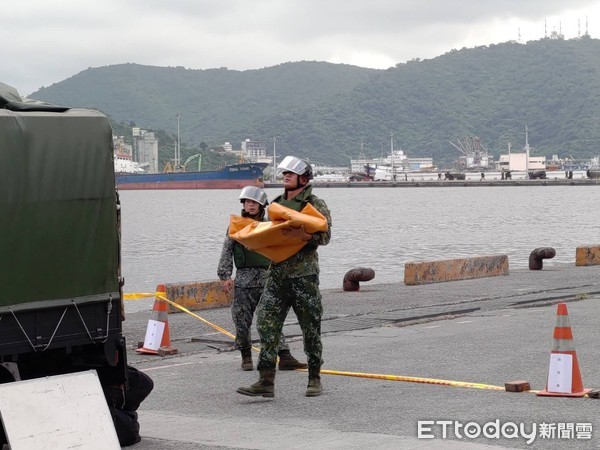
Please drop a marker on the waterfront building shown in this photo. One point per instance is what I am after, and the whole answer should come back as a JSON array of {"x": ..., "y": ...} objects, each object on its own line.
[
  {"x": 518, "y": 162},
  {"x": 255, "y": 151},
  {"x": 521, "y": 161},
  {"x": 398, "y": 158},
  {"x": 145, "y": 149},
  {"x": 417, "y": 164}
]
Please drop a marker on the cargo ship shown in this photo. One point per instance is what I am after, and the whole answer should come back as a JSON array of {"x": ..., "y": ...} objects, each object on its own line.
[{"x": 235, "y": 176}]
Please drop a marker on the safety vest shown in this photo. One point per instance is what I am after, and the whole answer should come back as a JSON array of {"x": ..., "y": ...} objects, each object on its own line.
[
  {"x": 298, "y": 202},
  {"x": 244, "y": 258}
]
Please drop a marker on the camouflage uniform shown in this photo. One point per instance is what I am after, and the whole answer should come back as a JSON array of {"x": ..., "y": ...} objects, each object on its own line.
[
  {"x": 294, "y": 283},
  {"x": 248, "y": 287}
]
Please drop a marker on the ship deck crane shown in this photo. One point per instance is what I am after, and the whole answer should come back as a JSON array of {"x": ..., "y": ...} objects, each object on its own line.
[{"x": 191, "y": 158}]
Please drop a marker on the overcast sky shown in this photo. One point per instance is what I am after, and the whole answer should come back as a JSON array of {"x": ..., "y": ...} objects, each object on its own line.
[{"x": 47, "y": 41}]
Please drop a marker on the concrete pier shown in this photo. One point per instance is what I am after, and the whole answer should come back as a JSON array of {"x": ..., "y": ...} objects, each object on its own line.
[
  {"x": 486, "y": 330},
  {"x": 451, "y": 183}
]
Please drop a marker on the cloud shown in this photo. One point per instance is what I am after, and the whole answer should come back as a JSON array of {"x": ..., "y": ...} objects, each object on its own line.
[{"x": 48, "y": 41}]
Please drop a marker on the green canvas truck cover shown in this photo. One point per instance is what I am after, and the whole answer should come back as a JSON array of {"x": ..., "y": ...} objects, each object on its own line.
[{"x": 58, "y": 205}]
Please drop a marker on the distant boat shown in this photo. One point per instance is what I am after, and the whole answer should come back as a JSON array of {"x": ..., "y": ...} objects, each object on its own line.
[
  {"x": 235, "y": 176},
  {"x": 124, "y": 164},
  {"x": 389, "y": 173},
  {"x": 331, "y": 178}
]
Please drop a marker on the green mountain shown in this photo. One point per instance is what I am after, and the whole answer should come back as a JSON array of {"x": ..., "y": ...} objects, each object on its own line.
[{"x": 322, "y": 111}]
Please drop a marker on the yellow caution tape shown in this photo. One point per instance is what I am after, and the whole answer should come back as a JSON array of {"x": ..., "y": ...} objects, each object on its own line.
[
  {"x": 161, "y": 296},
  {"x": 407, "y": 379},
  {"x": 415, "y": 380},
  {"x": 137, "y": 295}
]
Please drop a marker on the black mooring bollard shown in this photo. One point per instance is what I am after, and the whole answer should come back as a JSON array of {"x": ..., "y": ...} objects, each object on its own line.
[
  {"x": 539, "y": 254},
  {"x": 353, "y": 276}
]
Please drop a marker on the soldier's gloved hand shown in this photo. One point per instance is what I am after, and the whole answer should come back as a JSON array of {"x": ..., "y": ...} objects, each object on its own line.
[
  {"x": 228, "y": 285},
  {"x": 297, "y": 232}
]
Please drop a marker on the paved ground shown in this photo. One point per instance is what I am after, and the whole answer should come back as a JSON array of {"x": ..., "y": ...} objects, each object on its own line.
[{"x": 490, "y": 331}]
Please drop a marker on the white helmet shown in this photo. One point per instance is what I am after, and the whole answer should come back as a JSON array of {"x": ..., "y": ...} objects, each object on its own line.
[
  {"x": 295, "y": 165},
  {"x": 255, "y": 194}
]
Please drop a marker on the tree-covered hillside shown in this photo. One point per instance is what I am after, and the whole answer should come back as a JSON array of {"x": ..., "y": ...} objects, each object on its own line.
[
  {"x": 323, "y": 111},
  {"x": 211, "y": 103}
]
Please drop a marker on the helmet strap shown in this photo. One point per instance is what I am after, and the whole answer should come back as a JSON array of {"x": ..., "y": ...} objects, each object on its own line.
[
  {"x": 294, "y": 188},
  {"x": 301, "y": 185},
  {"x": 297, "y": 189}
]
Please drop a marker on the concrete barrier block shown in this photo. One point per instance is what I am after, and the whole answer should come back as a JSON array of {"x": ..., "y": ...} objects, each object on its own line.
[
  {"x": 198, "y": 296},
  {"x": 166, "y": 351},
  {"x": 425, "y": 272},
  {"x": 587, "y": 255}
]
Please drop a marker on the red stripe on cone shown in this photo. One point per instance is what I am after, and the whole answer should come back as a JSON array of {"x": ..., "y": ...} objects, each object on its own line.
[
  {"x": 159, "y": 314},
  {"x": 561, "y": 310},
  {"x": 563, "y": 333}
]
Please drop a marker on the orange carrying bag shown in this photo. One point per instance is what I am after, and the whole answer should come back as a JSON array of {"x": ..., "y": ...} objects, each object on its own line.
[{"x": 268, "y": 239}]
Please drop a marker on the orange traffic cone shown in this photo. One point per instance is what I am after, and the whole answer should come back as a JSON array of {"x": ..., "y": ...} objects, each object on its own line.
[
  {"x": 158, "y": 339},
  {"x": 564, "y": 378}
]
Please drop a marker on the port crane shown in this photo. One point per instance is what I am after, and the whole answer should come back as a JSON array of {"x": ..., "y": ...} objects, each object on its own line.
[
  {"x": 475, "y": 155},
  {"x": 174, "y": 168},
  {"x": 191, "y": 158}
]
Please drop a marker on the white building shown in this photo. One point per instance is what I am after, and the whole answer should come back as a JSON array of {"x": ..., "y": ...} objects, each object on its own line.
[
  {"x": 255, "y": 151},
  {"x": 398, "y": 158},
  {"x": 416, "y": 164},
  {"x": 518, "y": 162},
  {"x": 521, "y": 161}
]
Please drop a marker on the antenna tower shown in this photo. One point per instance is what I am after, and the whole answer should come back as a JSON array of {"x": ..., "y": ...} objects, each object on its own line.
[
  {"x": 586, "y": 26},
  {"x": 362, "y": 150}
]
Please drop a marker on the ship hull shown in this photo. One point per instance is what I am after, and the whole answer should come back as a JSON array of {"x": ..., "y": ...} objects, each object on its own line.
[{"x": 231, "y": 177}]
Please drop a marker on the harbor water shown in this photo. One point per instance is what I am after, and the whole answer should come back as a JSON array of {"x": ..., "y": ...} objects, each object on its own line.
[{"x": 176, "y": 236}]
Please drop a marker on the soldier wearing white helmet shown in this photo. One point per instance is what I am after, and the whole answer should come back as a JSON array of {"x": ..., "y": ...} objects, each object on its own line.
[
  {"x": 293, "y": 283},
  {"x": 297, "y": 166},
  {"x": 249, "y": 282},
  {"x": 254, "y": 193}
]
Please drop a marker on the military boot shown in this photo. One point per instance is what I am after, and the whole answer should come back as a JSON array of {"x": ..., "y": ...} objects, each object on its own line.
[
  {"x": 314, "y": 388},
  {"x": 288, "y": 362},
  {"x": 265, "y": 387},
  {"x": 247, "y": 359}
]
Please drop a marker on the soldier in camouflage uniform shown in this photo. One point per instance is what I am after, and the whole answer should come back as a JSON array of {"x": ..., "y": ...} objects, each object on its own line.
[
  {"x": 293, "y": 283},
  {"x": 250, "y": 279}
]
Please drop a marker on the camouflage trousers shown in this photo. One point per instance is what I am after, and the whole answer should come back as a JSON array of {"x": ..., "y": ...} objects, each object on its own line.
[
  {"x": 303, "y": 296},
  {"x": 242, "y": 311}
]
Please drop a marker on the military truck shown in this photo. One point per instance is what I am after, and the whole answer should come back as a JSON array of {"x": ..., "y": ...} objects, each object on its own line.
[{"x": 60, "y": 280}]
